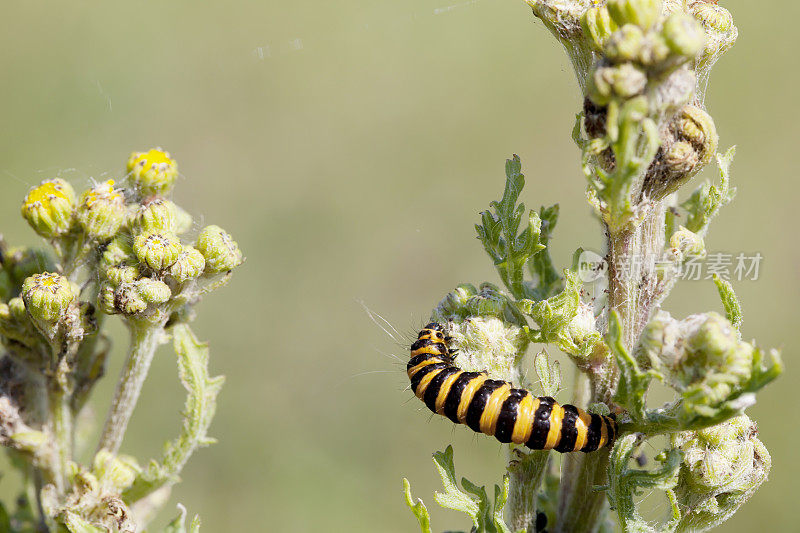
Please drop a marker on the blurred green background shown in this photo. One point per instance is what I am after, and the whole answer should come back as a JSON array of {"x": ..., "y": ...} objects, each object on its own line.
[{"x": 349, "y": 146}]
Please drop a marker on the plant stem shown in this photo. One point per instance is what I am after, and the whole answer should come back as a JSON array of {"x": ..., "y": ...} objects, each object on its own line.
[
  {"x": 633, "y": 280},
  {"x": 633, "y": 255},
  {"x": 61, "y": 417},
  {"x": 144, "y": 341},
  {"x": 526, "y": 471}
]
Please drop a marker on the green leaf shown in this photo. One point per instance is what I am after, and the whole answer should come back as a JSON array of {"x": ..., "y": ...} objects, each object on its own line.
[
  {"x": 625, "y": 483},
  {"x": 546, "y": 280},
  {"x": 486, "y": 517},
  {"x": 633, "y": 382},
  {"x": 705, "y": 203},
  {"x": 499, "y": 229},
  {"x": 733, "y": 309},
  {"x": 549, "y": 374},
  {"x": 197, "y": 415},
  {"x": 555, "y": 317},
  {"x": 418, "y": 508},
  {"x": 178, "y": 524}
]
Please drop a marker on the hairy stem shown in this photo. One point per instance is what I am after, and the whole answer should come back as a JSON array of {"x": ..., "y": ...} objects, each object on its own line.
[
  {"x": 61, "y": 418},
  {"x": 144, "y": 341},
  {"x": 633, "y": 256},
  {"x": 525, "y": 472}
]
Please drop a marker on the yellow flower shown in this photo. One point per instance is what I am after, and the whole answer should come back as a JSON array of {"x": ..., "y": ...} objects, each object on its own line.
[
  {"x": 153, "y": 172},
  {"x": 48, "y": 208}
]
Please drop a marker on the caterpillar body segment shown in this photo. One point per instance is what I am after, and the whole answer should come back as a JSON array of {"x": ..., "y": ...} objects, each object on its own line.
[{"x": 495, "y": 407}]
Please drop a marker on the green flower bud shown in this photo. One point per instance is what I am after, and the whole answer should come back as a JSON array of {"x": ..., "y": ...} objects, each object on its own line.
[
  {"x": 453, "y": 306},
  {"x": 16, "y": 307},
  {"x": 158, "y": 250},
  {"x": 86, "y": 483},
  {"x": 683, "y": 35},
  {"x": 713, "y": 17},
  {"x": 643, "y": 13},
  {"x": 681, "y": 158},
  {"x": 153, "y": 172},
  {"x": 101, "y": 211},
  {"x": 118, "y": 252},
  {"x": 127, "y": 300},
  {"x": 14, "y": 323},
  {"x": 625, "y": 45},
  {"x": 117, "y": 472},
  {"x": 623, "y": 81},
  {"x": 47, "y": 296},
  {"x": 152, "y": 291},
  {"x": 156, "y": 214},
  {"x": 583, "y": 325},
  {"x": 685, "y": 243},
  {"x": 48, "y": 208},
  {"x": 122, "y": 274},
  {"x": 697, "y": 127},
  {"x": 106, "y": 299},
  {"x": 219, "y": 249},
  {"x": 722, "y": 467},
  {"x": 29, "y": 441},
  {"x": 598, "y": 26},
  {"x": 190, "y": 265},
  {"x": 660, "y": 343},
  {"x": 654, "y": 50}
]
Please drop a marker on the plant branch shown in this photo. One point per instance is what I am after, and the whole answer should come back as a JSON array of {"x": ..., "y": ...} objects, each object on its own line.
[{"x": 145, "y": 338}]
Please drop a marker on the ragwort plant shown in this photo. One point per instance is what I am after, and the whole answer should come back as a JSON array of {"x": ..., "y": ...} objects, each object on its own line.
[
  {"x": 644, "y": 133},
  {"x": 117, "y": 249}
]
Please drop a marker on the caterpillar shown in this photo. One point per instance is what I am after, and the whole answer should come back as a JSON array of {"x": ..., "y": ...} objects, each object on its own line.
[{"x": 496, "y": 408}]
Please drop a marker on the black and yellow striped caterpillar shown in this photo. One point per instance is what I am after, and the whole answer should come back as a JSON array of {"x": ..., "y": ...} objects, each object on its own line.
[{"x": 497, "y": 409}]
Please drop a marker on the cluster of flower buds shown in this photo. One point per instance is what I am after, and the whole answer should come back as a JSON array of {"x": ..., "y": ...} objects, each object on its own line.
[
  {"x": 702, "y": 356},
  {"x": 96, "y": 495},
  {"x": 120, "y": 247},
  {"x": 147, "y": 265},
  {"x": 486, "y": 329},
  {"x": 723, "y": 466}
]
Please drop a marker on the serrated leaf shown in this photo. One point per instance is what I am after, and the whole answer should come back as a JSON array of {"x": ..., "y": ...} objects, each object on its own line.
[
  {"x": 197, "y": 414},
  {"x": 508, "y": 246},
  {"x": 487, "y": 517},
  {"x": 626, "y": 483}
]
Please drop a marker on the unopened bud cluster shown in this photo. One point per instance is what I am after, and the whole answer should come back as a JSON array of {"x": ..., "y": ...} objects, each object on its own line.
[
  {"x": 481, "y": 324},
  {"x": 120, "y": 246}
]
